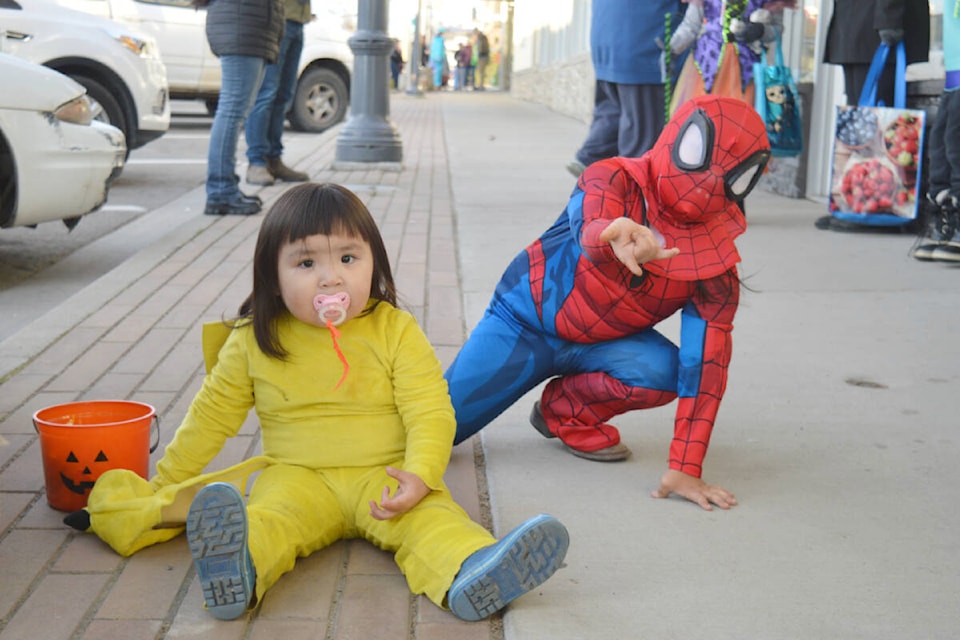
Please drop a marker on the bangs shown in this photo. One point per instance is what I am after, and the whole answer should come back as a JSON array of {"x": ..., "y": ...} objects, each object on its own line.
[{"x": 327, "y": 212}]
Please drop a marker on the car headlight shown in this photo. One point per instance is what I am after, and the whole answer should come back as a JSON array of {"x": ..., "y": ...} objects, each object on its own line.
[{"x": 77, "y": 111}]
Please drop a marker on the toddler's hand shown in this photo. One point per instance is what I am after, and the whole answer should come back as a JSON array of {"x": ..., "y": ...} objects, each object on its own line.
[
  {"x": 694, "y": 490},
  {"x": 410, "y": 491},
  {"x": 634, "y": 244}
]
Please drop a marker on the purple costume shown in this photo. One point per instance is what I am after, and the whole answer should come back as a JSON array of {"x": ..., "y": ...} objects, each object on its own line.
[{"x": 709, "y": 45}]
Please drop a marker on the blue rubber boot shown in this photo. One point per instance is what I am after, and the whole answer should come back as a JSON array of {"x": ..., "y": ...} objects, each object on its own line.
[
  {"x": 494, "y": 576},
  {"x": 217, "y": 534}
]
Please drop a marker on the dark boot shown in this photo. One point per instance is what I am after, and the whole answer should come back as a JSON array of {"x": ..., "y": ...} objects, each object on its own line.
[
  {"x": 281, "y": 171},
  {"x": 949, "y": 248},
  {"x": 935, "y": 227}
]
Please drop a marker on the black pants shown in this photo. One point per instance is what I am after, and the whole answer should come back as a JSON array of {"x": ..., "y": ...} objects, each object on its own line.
[
  {"x": 944, "y": 146},
  {"x": 855, "y": 76}
]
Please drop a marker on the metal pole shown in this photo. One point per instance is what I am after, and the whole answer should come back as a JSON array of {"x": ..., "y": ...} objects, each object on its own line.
[
  {"x": 416, "y": 54},
  {"x": 506, "y": 57},
  {"x": 369, "y": 136}
]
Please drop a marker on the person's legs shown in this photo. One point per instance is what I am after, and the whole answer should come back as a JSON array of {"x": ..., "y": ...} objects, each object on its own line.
[
  {"x": 499, "y": 363},
  {"x": 258, "y": 121},
  {"x": 293, "y": 45},
  {"x": 293, "y": 512},
  {"x": 481, "y": 73},
  {"x": 601, "y": 140},
  {"x": 949, "y": 247},
  {"x": 430, "y": 541},
  {"x": 940, "y": 178},
  {"x": 453, "y": 560},
  {"x": 603, "y": 380},
  {"x": 641, "y": 118},
  {"x": 286, "y": 88},
  {"x": 241, "y": 76},
  {"x": 854, "y": 77}
]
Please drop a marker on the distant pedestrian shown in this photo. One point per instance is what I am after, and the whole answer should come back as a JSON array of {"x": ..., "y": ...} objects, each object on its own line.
[
  {"x": 482, "y": 45},
  {"x": 264, "y": 127},
  {"x": 438, "y": 59},
  {"x": 628, "y": 108},
  {"x": 356, "y": 428},
  {"x": 396, "y": 64},
  {"x": 464, "y": 53},
  {"x": 245, "y": 35}
]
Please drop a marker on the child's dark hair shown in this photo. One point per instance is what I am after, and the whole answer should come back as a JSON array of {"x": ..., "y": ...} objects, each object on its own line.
[{"x": 306, "y": 210}]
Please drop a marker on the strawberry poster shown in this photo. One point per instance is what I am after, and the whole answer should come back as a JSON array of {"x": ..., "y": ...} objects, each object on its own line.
[{"x": 877, "y": 153}]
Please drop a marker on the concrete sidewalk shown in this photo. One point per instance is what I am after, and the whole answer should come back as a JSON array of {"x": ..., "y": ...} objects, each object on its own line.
[{"x": 837, "y": 432}]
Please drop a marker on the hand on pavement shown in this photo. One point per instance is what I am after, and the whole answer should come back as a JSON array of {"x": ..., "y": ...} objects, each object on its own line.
[{"x": 694, "y": 490}]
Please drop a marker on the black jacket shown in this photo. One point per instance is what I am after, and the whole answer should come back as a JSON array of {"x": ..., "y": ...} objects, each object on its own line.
[
  {"x": 852, "y": 35},
  {"x": 245, "y": 28}
]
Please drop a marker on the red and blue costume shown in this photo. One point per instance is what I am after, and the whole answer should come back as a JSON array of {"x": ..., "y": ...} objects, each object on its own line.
[{"x": 567, "y": 308}]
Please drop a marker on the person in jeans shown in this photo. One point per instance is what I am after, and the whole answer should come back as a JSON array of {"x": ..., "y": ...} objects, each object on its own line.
[
  {"x": 264, "y": 127},
  {"x": 245, "y": 35}
]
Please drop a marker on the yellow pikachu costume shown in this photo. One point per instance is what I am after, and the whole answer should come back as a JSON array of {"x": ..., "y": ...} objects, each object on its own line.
[{"x": 325, "y": 451}]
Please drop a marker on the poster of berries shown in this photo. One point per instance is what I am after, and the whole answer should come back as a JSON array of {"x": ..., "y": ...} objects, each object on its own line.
[{"x": 877, "y": 152}]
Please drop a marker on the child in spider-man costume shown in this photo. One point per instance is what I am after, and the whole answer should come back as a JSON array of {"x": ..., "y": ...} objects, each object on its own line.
[{"x": 640, "y": 239}]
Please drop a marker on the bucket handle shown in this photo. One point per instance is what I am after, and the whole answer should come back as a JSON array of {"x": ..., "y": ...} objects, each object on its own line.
[{"x": 156, "y": 428}]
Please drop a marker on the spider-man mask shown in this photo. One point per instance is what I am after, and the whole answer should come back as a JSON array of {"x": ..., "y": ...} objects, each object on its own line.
[{"x": 709, "y": 156}]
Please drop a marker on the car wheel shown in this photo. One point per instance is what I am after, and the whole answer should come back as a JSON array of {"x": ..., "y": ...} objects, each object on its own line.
[
  {"x": 111, "y": 111},
  {"x": 320, "y": 101}
]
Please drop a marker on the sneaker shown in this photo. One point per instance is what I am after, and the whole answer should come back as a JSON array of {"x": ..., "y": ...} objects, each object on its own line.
[
  {"x": 494, "y": 576},
  {"x": 241, "y": 206},
  {"x": 259, "y": 174},
  {"x": 217, "y": 534},
  {"x": 949, "y": 249},
  {"x": 934, "y": 231},
  {"x": 281, "y": 171},
  {"x": 575, "y": 167}
]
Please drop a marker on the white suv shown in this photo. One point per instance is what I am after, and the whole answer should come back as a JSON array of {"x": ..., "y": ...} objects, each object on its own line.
[
  {"x": 323, "y": 85},
  {"x": 119, "y": 67}
]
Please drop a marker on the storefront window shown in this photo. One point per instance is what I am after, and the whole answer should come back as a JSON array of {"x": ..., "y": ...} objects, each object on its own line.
[{"x": 808, "y": 40}]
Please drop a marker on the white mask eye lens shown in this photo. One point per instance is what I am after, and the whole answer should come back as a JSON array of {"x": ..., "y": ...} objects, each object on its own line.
[
  {"x": 742, "y": 184},
  {"x": 690, "y": 148}
]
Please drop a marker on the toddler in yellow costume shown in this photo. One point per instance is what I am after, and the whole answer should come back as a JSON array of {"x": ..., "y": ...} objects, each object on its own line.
[{"x": 357, "y": 430}]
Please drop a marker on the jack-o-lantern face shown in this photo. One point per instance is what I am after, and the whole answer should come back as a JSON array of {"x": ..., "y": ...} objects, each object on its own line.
[{"x": 86, "y": 481}]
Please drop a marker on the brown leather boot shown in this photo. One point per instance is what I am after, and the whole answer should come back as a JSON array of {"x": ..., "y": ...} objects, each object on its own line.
[{"x": 281, "y": 171}]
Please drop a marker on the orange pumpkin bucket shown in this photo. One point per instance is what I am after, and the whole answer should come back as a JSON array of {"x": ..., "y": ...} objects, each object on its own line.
[{"x": 81, "y": 440}]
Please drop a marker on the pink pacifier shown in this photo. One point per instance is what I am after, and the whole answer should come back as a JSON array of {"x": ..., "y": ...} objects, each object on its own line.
[{"x": 332, "y": 309}]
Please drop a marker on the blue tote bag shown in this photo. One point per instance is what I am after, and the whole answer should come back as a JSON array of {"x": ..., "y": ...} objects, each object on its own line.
[
  {"x": 877, "y": 153},
  {"x": 778, "y": 103}
]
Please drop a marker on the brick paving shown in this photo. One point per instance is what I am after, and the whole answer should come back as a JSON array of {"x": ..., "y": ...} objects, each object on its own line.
[{"x": 135, "y": 334}]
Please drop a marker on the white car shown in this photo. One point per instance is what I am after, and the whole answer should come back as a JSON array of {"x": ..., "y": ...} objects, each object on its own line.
[
  {"x": 56, "y": 161},
  {"x": 193, "y": 72},
  {"x": 120, "y": 67}
]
